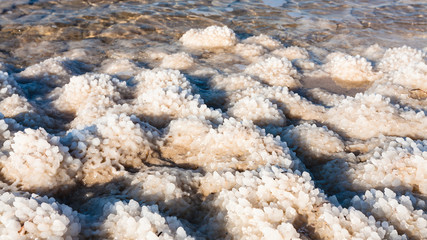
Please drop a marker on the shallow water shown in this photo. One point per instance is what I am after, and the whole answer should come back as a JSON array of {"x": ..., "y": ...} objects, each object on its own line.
[
  {"x": 297, "y": 120},
  {"x": 104, "y": 26}
]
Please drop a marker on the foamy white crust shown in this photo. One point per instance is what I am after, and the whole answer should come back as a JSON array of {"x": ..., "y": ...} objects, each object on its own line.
[
  {"x": 210, "y": 37},
  {"x": 204, "y": 153}
]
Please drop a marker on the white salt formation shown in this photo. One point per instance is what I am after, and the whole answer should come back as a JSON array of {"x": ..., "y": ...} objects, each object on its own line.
[
  {"x": 178, "y": 61},
  {"x": 248, "y": 147},
  {"x": 39, "y": 162},
  {"x": 346, "y": 68},
  {"x": 132, "y": 221},
  {"x": 216, "y": 137},
  {"x": 164, "y": 95},
  {"x": 318, "y": 144},
  {"x": 275, "y": 72},
  {"x": 211, "y": 37},
  {"x": 259, "y": 110},
  {"x": 53, "y": 71},
  {"x": 36, "y": 217}
]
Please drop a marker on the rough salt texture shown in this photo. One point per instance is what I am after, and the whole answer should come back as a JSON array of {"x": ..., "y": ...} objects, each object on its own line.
[
  {"x": 275, "y": 72},
  {"x": 215, "y": 137},
  {"x": 132, "y": 221},
  {"x": 36, "y": 217},
  {"x": 347, "y": 68},
  {"x": 39, "y": 162},
  {"x": 177, "y": 61},
  {"x": 211, "y": 37}
]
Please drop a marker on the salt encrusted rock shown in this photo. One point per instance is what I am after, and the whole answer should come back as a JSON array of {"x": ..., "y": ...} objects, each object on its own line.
[
  {"x": 123, "y": 68},
  {"x": 291, "y": 53},
  {"x": 39, "y": 162},
  {"x": 160, "y": 79},
  {"x": 133, "y": 221},
  {"x": 36, "y": 217},
  {"x": 8, "y": 86},
  {"x": 53, "y": 71},
  {"x": 164, "y": 95},
  {"x": 234, "y": 82},
  {"x": 208, "y": 38},
  {"x": 270, "y": 203},
  {"x": 15, "y": 105},
  {"x": 112, "y": 143},
  {"x": 249, "y": 51},
  {"x": 89, "y": 89},
  {"x": 347, "y": 69},
  {"x": 317, "y": 144},
  {"x": 174, "y": 190},
  {"x": 263, "y": 40},
  {"x": 179, "y": 61},
  {"x": 404, "y": 96},
  {"x": 259, "y": 110},
  {"x": 275, "y": 72},
  {"x": 91, "y": 96},
  {"x": 235, "y": 145},
  {"x": 398, "y": 211},
  {"x": 324, "y": 97},
  {"x": 292, "y": 104},
  {"x": 401, "y": 57},
  {"x": 365, "y": 116},
  {"x": 398, "y": 164},
  {"x": 412, "y": 77}
]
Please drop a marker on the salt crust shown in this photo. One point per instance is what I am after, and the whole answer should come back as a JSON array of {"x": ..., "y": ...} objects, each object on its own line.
[
  {"x": 112, "y": 143},
  {"x": 164, "y": 95},
  {"x": 401, "y": 211},
  {"x": 120, "y": 67},
  {"x": 8, "y": 85},
  {"x": 178, "y": 61},
  {"x": 264, "y": 41},
  {"x": 346, "y": 68},
  {"x": 399, "y": 164},
  {"x": 291, "y": 53},
  {"x": 270, "y": 203},
  {"x": 133, "y": 221},
  {"x": 88, "y": 89},
  {"x": 275, "y": 72},
  {"x": 53, "y": 71},
  {"x": 250, "y": 149},
  {"x": 259, "y": 110},
  {"x": 215, "y": 175},
  {"x": 317, "y": 144},
  {"x": 36, "y": 217},
  {"x": 39, "y": 162},
  {"x": 210, "y": 37}
]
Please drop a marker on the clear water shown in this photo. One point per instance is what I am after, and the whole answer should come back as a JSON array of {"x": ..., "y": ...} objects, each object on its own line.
[{"x": 33, "y": 30}]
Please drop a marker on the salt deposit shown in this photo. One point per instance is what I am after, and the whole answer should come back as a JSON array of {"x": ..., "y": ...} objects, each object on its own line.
[{"x": 216, "y": 137}]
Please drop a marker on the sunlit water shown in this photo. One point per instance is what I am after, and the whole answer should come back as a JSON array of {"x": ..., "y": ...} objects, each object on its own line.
[{"x": 103, "y": 27}]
